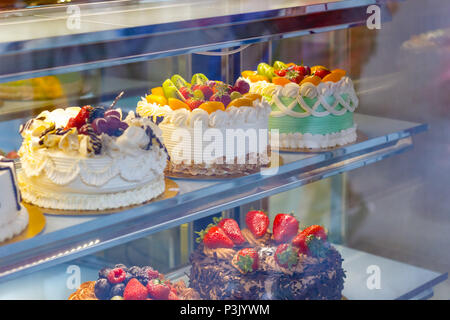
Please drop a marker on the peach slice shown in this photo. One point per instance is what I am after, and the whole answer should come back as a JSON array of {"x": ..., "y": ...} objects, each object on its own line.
[
  {"x": 176, "y": 104},
  {"x": 334, "y": 77},
  {"x": 241, "y": 102},
  {"x": 280, "y": 81},
  {"x": 158, "y": 91},
  {"x": 341, "y": 72},
  {"x": 248, "y": 73},
  {"x": 212, "y": 106},
  {"x": 258, "y": 77},
  {"x": 252, "y": 96},
  {"x": 315, "y": 80},
  {"x": 152, "y": 98}
]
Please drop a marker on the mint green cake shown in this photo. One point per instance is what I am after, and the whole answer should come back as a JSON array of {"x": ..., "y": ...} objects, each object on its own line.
[{"x": 311, "y": 116}]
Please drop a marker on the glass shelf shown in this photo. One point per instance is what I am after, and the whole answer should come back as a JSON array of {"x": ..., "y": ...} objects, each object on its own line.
[
  {"x": 67, "y": 238},
  {"x": 40, "y": 41},
  {"x": 397, "y": 280}
]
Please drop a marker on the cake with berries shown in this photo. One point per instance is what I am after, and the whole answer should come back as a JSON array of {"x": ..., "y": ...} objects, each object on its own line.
[
  {"x": 210, "y": 128},
  {"x": 133, "y": 283},
  {"x": 13, "y": 216},
  {"x": 91, "y": 158},
  {"x": 254, "y": 263},
  {"x": 311, "y": 107}
]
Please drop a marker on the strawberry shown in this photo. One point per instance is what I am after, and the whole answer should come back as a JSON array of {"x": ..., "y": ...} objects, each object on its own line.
[
  {"x": 172, "y": 296},
  {"x": 194, "y": 103},
  {"x": 186, "y": 92},
  {"x": 217, "y": 238},
  {"x": 247, "y": 260},
  {"x": 286, "y": 255},
  {"x": 158, "y": 290},
  {"x": 285, "y": 227},
  {"x": 317, "y": 231},
  {"x": 301, "y": 242},
  {"x": 135, "y": 290},
  {"x": 232, "y": 230},
  {"x": 321, "y": 73},
  {"x": 303, "y": 70},
  {"x": 257, "y": 222},
  {"x": 116, "y": 275},
  {"x": 281, "y": 73},
  {"x": 311, "y": 241}
]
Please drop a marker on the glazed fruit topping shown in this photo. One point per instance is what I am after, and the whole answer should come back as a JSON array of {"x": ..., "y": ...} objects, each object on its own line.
[
  {"x": 116, "y": 275},
  {"x": 286, "y": 255},
  {"x": 285, "y": 227},
  {"x": 247, "y": 260},
  {"x": 257, "y": 222}
]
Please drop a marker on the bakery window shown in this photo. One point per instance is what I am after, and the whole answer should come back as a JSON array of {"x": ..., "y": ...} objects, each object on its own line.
[{"x": 290, "y": 151}]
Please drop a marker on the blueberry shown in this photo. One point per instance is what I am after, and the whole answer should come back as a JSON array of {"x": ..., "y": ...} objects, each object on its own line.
[
  {"x": 117, "y": 290},
  {"x": 103, "y": 273},
  {"x": 101, "y": 289},
  {"x": 128, "y": 277},
  {"x": 135, "y": 271}
]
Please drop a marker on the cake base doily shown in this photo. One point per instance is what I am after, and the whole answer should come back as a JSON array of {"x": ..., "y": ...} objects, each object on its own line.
[
  {"x": 171, "y": 190},
  {"x": 176, "y": 175},
  {"x": 360, "y": 137},
  {"x": 36, "y": 223}
]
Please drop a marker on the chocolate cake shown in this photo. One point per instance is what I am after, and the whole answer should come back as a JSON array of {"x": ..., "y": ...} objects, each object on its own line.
[{"x": 313, "y": 271}]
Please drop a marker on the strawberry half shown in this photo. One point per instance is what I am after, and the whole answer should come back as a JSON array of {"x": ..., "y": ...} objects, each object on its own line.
[
  {"x": 158, "y": 290},
  {"x": 312, "y": 235},
  {"x": 257, "y": 222},
  {"x": 286, "y": 255},
  {"x": 217, "y": 238},
  {"x": 232, "y": 230},
  {"x": 247, "y": 260},
  {"x": 135, "y": 290},
  {"x": 285, "y": 227}
]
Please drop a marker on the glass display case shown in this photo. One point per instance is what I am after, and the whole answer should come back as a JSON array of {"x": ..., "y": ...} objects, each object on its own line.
[{"x": 383, "y": 199}]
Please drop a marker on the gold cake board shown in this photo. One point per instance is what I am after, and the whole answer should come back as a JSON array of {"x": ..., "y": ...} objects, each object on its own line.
[
  {"x": 176, "y": 175},
  {"x": 360, "y": 137},
  {"x": 36, "y": 223},
  {"x": 171, "y": 190}
]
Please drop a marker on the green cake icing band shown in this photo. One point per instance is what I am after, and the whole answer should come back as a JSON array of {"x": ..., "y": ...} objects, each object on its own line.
[{"x": 311, "y": 124}]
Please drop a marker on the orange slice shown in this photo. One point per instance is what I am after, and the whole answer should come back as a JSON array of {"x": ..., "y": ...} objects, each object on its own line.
[
  {"x": 158, "y": 91},
  {"x": 212, "y": 106},
  {"x": 252, "y": 96},
  {"x": 152, "y": 98},
  {"x": 313, "y": 69},
  {"x": 248, "y": 73},
  {"x": 290, "y": 64},
  {"x": 313, "y": 79},
  {"x": 175, "y": 104},
  {"x": 241, "y": 102},
  {"x": 280, "y": 81},
  {"x": 258, "y": 77}
]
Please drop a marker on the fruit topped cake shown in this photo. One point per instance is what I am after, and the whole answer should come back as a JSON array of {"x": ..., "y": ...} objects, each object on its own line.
[
  {"x": 209, "y": 127},
  {"x": 312, "y": 107},
  {"x": 91, "y": 158},
  {"x": 256, "y": 263},
  {"x": 133, "y": 283}
]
